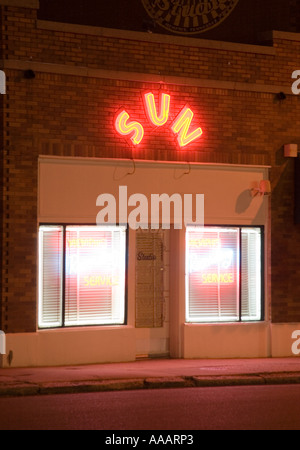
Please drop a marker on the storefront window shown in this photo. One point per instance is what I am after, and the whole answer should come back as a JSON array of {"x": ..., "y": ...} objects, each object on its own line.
[
  {"x": 223, "y": 274},
  {"x": 81, "y": 275}
]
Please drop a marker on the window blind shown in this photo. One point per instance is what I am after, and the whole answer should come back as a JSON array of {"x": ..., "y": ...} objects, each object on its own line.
[
  {"x": 223, "y": 274},
  {"x": 251, "y": 274},
  {"x": 95, "y": 276},
  {"x": 213, "y": 275},
  {"x": 81, "y": 275},
  {"x": 50, "y": 276}
]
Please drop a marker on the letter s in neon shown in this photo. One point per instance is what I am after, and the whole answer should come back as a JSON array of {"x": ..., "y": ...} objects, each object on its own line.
[
  {"x": 125, "y": 128},
  {"x": 181, "y": 126}
]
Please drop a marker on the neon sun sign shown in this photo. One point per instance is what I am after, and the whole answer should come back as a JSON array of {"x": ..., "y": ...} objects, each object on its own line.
[{"x": 180, "y": 127}]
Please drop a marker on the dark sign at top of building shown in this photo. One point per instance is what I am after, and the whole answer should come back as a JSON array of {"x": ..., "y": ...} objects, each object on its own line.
[
  {"x": 189, "y": 16},
  {"x": 242, "y": 21}
]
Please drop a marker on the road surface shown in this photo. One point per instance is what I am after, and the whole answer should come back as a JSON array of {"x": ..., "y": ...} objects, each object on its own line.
[{"x": 233, "y": 408}]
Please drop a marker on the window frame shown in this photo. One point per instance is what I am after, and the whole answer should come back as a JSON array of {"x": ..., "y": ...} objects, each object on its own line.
[
  {"x": 262, "y": 284},
  {"x": 64, "y": 226}
]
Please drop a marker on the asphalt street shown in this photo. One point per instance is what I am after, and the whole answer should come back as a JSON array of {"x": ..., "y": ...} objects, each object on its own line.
[{"x": 217, "y": 408}]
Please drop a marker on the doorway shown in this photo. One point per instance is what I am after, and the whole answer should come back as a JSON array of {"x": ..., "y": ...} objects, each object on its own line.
[{"x": 152, "y": 293}]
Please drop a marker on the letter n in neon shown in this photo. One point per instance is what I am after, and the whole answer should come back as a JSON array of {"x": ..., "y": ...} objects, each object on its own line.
[
  {"x": 124, "y": 127},
  {"x": 181, "y": 126},
  {"x": 162, "y": 118}
]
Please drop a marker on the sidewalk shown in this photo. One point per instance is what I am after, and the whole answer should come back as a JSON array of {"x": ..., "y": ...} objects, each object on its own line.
[{"x": 149, "y": 374}]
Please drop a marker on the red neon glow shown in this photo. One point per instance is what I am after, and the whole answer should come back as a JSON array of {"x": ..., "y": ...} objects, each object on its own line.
[
  {"x": 125, "y": 128},
  {"x": 182, "y": 125},
  {"x": 151, "y": 110}
]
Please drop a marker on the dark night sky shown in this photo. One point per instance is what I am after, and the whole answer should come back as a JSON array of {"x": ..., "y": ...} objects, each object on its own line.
[
  {"x": 105, "y": 13},
  {"x": 243, "y": 25}
]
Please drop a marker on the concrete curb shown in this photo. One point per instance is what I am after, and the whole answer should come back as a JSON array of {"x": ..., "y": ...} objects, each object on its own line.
[
  {"x": 73, "y": 387},
  {"x": 229, "y": 380}
]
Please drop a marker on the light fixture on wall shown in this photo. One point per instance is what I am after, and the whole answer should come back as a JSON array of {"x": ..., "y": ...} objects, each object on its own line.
[
  {"x": 281, "y": 96},
  {"x": 149, "y": 26},
  {"x": 29, "y": 74},
  {"x": 291, "y": 150},
  {"x": 264, "y": 188}
]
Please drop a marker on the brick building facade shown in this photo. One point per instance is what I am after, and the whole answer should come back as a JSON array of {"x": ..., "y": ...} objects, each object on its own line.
[{"x": 65, "y": 84}]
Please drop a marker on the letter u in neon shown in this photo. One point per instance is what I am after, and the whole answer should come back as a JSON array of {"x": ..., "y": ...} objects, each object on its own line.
[
  {"x": 125, "y": 128},
  {"x": 151, "y": 111}
]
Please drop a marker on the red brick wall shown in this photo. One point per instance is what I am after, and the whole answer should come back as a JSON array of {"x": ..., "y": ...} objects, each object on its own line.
[
  {"x": 2, "y": 99},
  {"x": 59, "y": 114}
]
